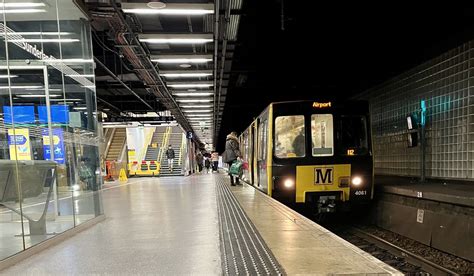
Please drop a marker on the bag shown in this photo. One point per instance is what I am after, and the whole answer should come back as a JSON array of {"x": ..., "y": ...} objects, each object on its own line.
[{"x": 236, "y": 168}]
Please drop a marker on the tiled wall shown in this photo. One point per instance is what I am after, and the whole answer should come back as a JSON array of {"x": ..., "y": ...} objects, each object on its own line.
[{"x": 444, "y": 84}]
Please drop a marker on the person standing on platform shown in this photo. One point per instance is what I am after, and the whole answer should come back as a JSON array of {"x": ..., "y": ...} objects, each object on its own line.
[
  {"x": 231, "y": 154},
  {"x": 215, "y": 160},
  {"x": 199, "y": 160},
  {"x": 170, "y": 157},
  {"x": 207, "y": 163}
]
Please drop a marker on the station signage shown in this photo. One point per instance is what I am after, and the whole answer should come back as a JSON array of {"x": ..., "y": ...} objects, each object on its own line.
[
  {"x": 58, "y": 145},
  {"x": 321, "y": 105},
  {"x": 19, "y": 144}
]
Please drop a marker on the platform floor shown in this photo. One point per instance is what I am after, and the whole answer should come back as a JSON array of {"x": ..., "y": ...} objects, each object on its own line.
[
  {"x": 452, "y": 192},
  {"x": 176, "y": 226}
]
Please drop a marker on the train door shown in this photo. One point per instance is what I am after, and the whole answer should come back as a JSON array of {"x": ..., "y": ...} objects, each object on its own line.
[
  {"x": 250, "y": 153},
  {"x": 254, "y": 153},
  {"x": 262, "y": 138}
]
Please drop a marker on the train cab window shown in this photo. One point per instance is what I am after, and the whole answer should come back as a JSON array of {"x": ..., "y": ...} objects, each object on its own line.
[
  {"x": 352, "y": 135},
  {"x": 322, "y": 137},
  {"x": 262, "y": 140},
  {"x": 290, "y": 136}
]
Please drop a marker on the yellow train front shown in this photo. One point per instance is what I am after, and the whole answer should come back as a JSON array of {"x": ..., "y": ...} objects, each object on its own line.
[{"x": 317, "y": 154}]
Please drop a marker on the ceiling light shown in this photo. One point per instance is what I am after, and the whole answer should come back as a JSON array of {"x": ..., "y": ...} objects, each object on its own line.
[
  {"x": 198, "y": 111},
  {"x": 42, "y": 40},
  {"x": 36, "y": 96},
  {"x": 85, "y": 76},
  {"x": 187, "y": 85},
  {"x": 21, "y": 5},
  {"x": 196, "y": 106},
  {"x": 199, "y": 115},
  {"x": 66, "y": 99},
  {"x": 39, "y": 33},
  {"x": 182, "y": 60},
  {"x": 154, "y": 5},
  {"x": 194, "y": 100},
  {"x": 7, "y": 76},
  {"x": 168, "y": 9},
  {"x": 176, "y": 38},
  {"x": 21, "y": 11},
  {"x": 21, "y": 87},
  {"x": 196, "y": 94},
  {"x": 185, "y": 65},
  {"x": 80, "y": 108},
  {"x": 192, "y": 90},
  {"x": 186, "y": 75}
]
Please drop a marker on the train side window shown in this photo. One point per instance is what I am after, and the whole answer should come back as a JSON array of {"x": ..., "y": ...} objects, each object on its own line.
[
  {"x": 322, "y": 135},
  {"x": 262, "y": 140},
  {"x": 290, "y": 136}
]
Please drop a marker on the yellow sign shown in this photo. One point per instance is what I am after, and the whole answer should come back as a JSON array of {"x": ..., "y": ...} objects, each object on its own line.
[
  {"x": 123, "y": 176},
  {"x": 19, "y": 142},
  {"x": 46, "y": 140},
  {"x": 132, "y": 155},
  {"x": 321, "y": 105},
  {"x": 322, "y": 178}
]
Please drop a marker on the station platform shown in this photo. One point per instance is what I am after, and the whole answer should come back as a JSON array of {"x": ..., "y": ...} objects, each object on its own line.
[
  {"x": 199, "y": 225},
  {"x": 452, "y": 192}
]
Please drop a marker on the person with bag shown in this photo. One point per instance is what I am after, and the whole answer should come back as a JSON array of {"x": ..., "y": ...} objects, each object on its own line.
[{"x": 231, "y": 155}]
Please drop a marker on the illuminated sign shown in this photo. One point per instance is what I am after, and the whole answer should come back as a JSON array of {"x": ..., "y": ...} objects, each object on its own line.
[
  {"x": 350, "y": 152},
  {"x": 19, "y": 142},
  {"x": 321, "y": 105}
]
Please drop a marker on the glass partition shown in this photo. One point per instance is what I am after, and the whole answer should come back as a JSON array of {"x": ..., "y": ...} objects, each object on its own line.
[{"x": 50, "y": 167}]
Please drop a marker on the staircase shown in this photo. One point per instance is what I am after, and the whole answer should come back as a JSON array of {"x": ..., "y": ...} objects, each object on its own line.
[
  {"x": 175, "y": 139},
  {"x": 152, "y": 153},
  {"x": 117, "y": 144}
]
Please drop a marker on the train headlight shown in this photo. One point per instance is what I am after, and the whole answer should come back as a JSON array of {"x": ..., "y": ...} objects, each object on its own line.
[
  {"x": 356, "y": 180},
  {"x": 289, "y": 183}
]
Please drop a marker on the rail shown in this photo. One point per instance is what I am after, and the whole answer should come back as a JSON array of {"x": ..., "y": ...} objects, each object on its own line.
[
  {"x": 109, "y": 142},
  {"x": 410, "y": 257},
  {"x": 181, "y": 149},
  {"x": 163, "y": 144}
]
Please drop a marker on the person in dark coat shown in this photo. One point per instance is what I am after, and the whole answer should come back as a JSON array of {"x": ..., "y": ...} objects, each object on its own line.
[
  {"x": 199, "y": 160},
  {"x": 170, "y": 156},
  {"x": 232, "y": 153}
]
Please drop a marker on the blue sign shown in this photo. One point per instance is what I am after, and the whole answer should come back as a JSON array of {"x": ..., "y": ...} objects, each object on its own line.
[
  {"x": 58, "y": 145},
  {"x": 16, "y": 140},
  {"x": 423, "y": 112},
  {"x": 59, "y": 114},
  {"x": 22, "y": 114}
]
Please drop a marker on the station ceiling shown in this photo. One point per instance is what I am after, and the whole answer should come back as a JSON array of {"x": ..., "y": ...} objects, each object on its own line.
[{"x": 171, "y": 58}]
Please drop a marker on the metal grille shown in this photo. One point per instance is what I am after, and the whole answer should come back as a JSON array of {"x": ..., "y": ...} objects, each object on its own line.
[
  {"x": 444, "y": 83},
  {"x": 243, "y": 250}
]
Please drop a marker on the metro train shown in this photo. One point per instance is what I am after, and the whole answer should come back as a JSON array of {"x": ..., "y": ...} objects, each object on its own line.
[{"x": 311, "y": 154}]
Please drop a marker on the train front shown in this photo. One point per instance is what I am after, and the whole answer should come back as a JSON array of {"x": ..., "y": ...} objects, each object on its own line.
[{"x": 322, "y": 155}]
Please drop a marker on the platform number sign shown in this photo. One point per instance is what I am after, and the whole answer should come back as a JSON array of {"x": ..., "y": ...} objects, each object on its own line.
[{"x": 323, "y": 176}]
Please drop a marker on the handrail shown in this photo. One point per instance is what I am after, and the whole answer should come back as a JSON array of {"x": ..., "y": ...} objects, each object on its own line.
[
  {"x": 163, "y": 144},
  {"x": 183, "y": 144},
  {"x": 144, "y": 150},
  {"x": 109, "y": 142}
]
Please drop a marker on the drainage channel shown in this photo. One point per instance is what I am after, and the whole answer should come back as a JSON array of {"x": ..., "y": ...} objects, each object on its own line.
[{"x": 243, "y": 250}]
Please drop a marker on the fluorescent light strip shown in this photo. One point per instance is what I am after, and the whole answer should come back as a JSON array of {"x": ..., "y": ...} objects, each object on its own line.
[
  {"x": 43, "y": 40},
  {"x": 67, "y": 99},
  {"x": 21, "y": 11},
  {"x": 188, "y": 85},
  {"x": 198, "y": 111},
  {"x": 21, "y": 5},
  {"x": 186, "y": 75},
  {"x": 22, "y": 87},
  {"x": 85, "y": 76},
  {"x": 36, "y": 96},
  {"x": 200, "y": 115},
  {"x": 196, "y": 106},
  {"x": 197, "y": 94},
  {"x": 176, "y": 40},
  {"x": 79, "y": 108},
  {"x": 182, "y": 60},
  {"x": 7, "y": 76},
  {"x": 166, "y": 11},
  {"x": 39, "y": 33},
  {"x": 194, "y": 101}
]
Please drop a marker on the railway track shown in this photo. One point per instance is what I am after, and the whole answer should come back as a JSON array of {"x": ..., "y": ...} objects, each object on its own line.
[{"x": 399, "y": 258}]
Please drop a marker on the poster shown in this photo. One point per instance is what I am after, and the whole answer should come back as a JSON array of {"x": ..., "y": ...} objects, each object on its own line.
[
  {"x": 58, "y": 145},
  {"x": 19, "y": 143}
]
